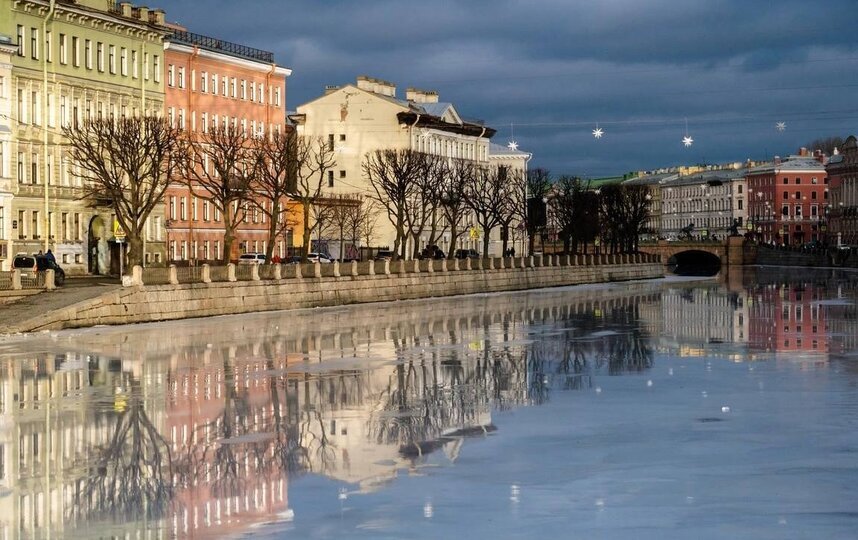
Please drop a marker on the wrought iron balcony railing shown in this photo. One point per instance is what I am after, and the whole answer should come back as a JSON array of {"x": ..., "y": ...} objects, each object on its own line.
[{"x": 219, "y": 45}]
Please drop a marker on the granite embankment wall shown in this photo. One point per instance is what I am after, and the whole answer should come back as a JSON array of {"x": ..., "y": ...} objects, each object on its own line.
[
  {"x": 150, "y": 303},
  {"x": 767, "y": 256}
]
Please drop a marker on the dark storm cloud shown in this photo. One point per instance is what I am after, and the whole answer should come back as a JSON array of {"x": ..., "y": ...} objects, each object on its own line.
[{"x": 552, "y": 68}]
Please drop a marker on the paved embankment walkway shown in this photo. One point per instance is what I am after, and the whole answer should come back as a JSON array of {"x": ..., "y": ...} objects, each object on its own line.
[{"x": 17, "y": 316}]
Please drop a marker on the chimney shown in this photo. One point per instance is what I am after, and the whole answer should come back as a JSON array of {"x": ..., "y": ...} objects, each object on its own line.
[
  {"x": 819, "y": 156},
  {"x": 803, "y": 152},
  {"x": 157, "y": 17},
  {"x": 777, "y": 160},
  {"x": 376, "y": 86},
  {"x": 331, "y": 88},
  {"x": 144, "y": 13},
  {"x": 421, "y": 96},
  {"x": 125, "y": 9}
]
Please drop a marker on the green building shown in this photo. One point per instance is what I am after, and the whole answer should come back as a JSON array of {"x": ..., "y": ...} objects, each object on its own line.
[{"x": 75, "y": 60}]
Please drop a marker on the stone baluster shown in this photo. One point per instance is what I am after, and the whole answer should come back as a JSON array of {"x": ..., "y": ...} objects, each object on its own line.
[
  {"x": 174, "y": 275},
  {"x": 230, "y": 272},
  {"x": 205, "y": 277}
]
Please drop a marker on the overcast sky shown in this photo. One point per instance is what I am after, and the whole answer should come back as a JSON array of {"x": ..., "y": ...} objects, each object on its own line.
[{"x": 545, "y": 72}]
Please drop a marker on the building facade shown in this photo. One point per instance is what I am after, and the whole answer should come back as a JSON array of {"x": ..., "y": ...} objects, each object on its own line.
[
  {"x": 842, "y": 170},
  {"x": 359, "y": 118},
  {"x": 211, "y": 83},
  {"x": 7, "y": 49},
  {"x": 703, "y": 203},
  {"x": 788, "y": 200},
  {"x": 74, "y": 61}
]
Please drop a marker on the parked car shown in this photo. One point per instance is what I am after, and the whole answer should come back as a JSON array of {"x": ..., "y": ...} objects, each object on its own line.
[
  {"x": 384, "y": 255},
  {"x": 252, "y": 258},
  {"x": 30, "y": 265},
  {"x": 321, "y": 258},
  {"x": 467, "y": 254},
  {"x": 432, "y": 252}
]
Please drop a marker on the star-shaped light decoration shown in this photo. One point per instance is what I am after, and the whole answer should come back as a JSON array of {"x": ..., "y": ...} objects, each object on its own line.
[
  {"x": 512, "y": 146},
  {"x": 781, "y": 126},
  {"x": 598, "y": 132},
  {"x": 687, "y": 141}
]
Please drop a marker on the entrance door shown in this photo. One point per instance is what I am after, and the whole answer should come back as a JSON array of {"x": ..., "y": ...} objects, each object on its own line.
[{"x": 96, "y": 237}]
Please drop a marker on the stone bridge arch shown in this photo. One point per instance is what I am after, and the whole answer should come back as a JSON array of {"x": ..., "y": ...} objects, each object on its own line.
[{"x": 729, "y": 252}]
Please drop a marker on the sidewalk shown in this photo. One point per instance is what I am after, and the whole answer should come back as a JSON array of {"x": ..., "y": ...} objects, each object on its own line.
[{"x": 14, "y": 315}]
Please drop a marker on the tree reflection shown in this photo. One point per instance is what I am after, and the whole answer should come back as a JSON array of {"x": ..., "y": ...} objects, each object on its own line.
[{"x": 131, "y": 475}]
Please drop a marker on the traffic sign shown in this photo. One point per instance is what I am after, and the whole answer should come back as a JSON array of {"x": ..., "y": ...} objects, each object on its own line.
[{"x": 118, "y": 231}]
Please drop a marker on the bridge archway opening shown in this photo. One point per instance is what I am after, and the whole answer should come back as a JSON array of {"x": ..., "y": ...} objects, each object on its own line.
[{"x": 694, "y": 263}]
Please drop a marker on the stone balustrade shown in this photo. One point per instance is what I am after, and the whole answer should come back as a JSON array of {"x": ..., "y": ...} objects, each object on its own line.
[{"x": 214, "y": 274}]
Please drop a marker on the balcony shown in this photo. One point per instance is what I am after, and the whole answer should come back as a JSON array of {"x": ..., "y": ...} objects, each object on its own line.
[{"x": 219, "y": 45}]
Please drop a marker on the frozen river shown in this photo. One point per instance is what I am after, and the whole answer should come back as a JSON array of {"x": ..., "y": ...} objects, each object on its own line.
[{"x": 668, "y": 409}]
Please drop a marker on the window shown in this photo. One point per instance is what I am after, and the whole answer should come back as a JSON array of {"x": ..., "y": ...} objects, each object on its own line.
[
  {"x": 34, "y": 229},
  {"x": 277, "y": 97},
  {"x": 330, "y": 178},
  {"x": 181, "y": 79},
  {"x": 34, "y": 168},
  {"x": 343, "y": 137},
  {"x": 330, "y": 141},
  {"x": 204, "y": 82},
  {"x": 156, "y": 67},
  {"x": 194, "y": 209},
  {"x": 75, "y": 51},
  {"x": 786, "y": 181},
  {"x": 172, "y": 207},
  {"x": 87, "y": 53},
  {"x": 99, "y": 56},
  {"x": 171, "y": 75},
  {"x": 49, "y": 46},
  {"x": 252, "y": 91},
  {"x": 214, "y": 85},
  {"x": 204, "y": 122},
  {"x": 63, "y": 50},
  {"x": 134, "y": 70},
  {"x": 797, "y": 181},
  {"x": 20, "y": 40},
  {"x": 34, "y": 43},
  {"x": 798, "y": 195},
  {"x": 740, "y": 189},
  {"x": 243, "y": 89},
  {"x": 182, "y": 119},
  {"x": 342, "y": 174},
  {"x": 786, "y": 196},
  {"x": 183, "y": 210},
  {"x": 123, "y": 62},
  {"x": 111, "y": 59},
  {"x": 233, "y": 87},
  {"x": 21, "y": 232},
  {"x": 814, "y": 180},
  {"x": 206, "y": 213},
  {"x": 813, "y": 195},
  {"x": 740, "y": 204},
  {"x": 261, "y": 96},
  {"x": 21, "y": 176},
  {"x": 224, "y": 86}
]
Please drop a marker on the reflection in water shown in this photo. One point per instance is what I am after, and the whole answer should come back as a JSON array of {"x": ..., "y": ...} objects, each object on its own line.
[{"x": 200, "y": 432}]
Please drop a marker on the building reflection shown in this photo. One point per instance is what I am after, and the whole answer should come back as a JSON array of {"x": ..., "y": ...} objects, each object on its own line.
[{"x": 196, "y": 429}]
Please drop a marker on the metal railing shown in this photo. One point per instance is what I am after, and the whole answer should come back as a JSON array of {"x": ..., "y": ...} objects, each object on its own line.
[
  {"x": 189, "y": 274},
  {"x": 219, "y": 45},
  {"x": 156, "y": 276},
  {"x": 5, "y": 281}
]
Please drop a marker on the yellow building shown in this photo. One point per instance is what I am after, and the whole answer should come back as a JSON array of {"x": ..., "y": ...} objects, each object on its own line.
[{"x": 74, "y": 61}]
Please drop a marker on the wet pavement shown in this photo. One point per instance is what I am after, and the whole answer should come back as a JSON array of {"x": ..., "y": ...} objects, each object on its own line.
[{"x": 666, "y": 409}]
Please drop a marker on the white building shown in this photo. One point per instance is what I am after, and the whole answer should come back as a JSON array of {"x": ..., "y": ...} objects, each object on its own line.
[
  {"x": 708, "y": 200},
  {"x": 359, "y": 118}
]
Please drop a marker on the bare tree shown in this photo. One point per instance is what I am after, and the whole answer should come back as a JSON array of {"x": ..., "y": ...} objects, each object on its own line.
[
  {"x": 509, "y": 212},
  {"x": 342, "y": 210},
  {"x": 460, "y": 175},
  {"x": 127, "y": 164},
  {"x": 275, "y": 162},
  {"x": 487, "y": 196},
  {"x": 393, "y": 175},
  {"x": 536, "y": 187},
  {"x": 826, "y": 144},
  {"x": 360, "y": 219},
  {"x": 313, "y": 159},
  {"x": 422, "y": 208},
  {"x": 221, "y": 169}
]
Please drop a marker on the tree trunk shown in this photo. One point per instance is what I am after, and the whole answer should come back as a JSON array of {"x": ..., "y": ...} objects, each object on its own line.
[
  {"x": 135, "y": 251},
  {"x": 305, "y": 207},
  {"x": 228, "y": 234},
  {"x": 530, "y": 242},
  {"x": 486, "y": 233},
  {"x": 454, "y": 237},
  {"x": 342, "y": 245},
  {"x": 416, "y": 251},
  {"x": 272, "y": 230}
]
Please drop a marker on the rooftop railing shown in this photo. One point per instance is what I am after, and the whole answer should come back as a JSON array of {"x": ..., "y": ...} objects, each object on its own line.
[{"x": 219, "y": 45}]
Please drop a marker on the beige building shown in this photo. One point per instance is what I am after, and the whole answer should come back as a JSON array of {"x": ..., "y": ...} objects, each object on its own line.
[
  {"x": 359, "y": 118},
  {"x": 7, "y": 49},
  {"x": 73, "y": 61}
]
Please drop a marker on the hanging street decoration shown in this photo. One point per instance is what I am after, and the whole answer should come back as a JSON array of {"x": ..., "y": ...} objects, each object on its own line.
[
  {"x": 687, "y": 141},
  {"x": 598, "y": 132},
  {"x": 781, "y": 126},
  {"x": 512, "y": 146}
]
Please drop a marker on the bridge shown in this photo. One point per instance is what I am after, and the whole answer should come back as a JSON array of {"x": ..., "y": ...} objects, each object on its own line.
[{"x": 717, "y": 254}]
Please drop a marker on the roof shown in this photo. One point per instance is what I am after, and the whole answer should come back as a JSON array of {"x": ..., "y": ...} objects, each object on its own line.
[
  {"x": 435, "y": 109},
  {"x": 499, "y": 150},
  {"x": 792, "y": 163},
  {"x": 650, "y": 179},
  {"x": 728, "y": 175}
]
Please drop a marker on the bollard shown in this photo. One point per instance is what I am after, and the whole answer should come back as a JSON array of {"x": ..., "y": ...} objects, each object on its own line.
[
  {"x": 298, "y": 271},
  {"x": 16, "y": 280},
  {"x": 354, "y": 269},
  {"x": 386, "y": 267},
  {"x": 444, "y": 265},
  {"x": 468, "y": 264},
  {"x": 371, "y": 269},
  {"x": 278, "y": 271},
  {"x": 430, "y": 266},
  {"x": 416, "y": 264},
  {"x": 336, "y": 268},
  {"x": 523, "y": 263},
  {"x": 50, "y": 280},
  {"x": 455, "y": 264},
  {"x": 137, "y": 275},
  {"x": 549, "y": 260},
  {"x": 501, "y": 264},
  {"x": 206, "y": 274},
  {"x": 531, "y": 261},
  {"x": 254, "y": 272},
  {"x": 230, "y": 272},
  {"x": 174, "y": 275},
  {"x": 491, "y": 263},
  {"x": 317, "y": 269},
  {"x": 400, "y": 268}
]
